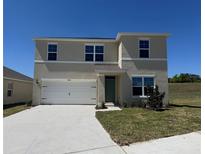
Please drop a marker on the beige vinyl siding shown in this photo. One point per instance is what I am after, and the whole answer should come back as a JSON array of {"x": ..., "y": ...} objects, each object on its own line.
[
  {"x": 130, "y": 46},
  {"x": 156, "y": 68},
  {"x": 138, "y": 65},
  {"x": 22, "y": 91},
  {"x": 74, "y": 51},
  {"x": 67, "y": 71},
  {"x": 158, "y": 48}
]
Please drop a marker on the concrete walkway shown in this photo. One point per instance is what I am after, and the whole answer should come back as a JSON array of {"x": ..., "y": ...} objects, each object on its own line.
[
  {"x": 57, "y": 129},
  {"x": 181, "y": 144}
]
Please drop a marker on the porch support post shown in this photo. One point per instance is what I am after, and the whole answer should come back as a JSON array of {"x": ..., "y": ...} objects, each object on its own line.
[{"x": 101, "y": 88}]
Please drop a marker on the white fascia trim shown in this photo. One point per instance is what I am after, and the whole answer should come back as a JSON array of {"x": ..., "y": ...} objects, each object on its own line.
[
  {"x": 144, "y": 75},
  {"x": 141, "y": 34},
  {"x": 17, "y": 80},
  {"x": 145, "y": 59},
  {"x": 142, "y": 96},
  {"x": 73, "y": 62},
  {"x": 75, "y": 40}
]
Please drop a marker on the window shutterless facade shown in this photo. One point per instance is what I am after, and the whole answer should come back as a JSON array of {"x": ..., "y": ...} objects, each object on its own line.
[
  {"x": 52, "y": 51},
  {"x": 94, "y": 53},
  {"x": 148, "y": 82},
  {"x": 144, "y": 47},
  {"x": 99, "y": 52},
  {"x": 140, "y": 85},
  {"x": 137, "y": 86},
  {"x": 10, "y": 89},
  {"x": 89, "y": 53}
]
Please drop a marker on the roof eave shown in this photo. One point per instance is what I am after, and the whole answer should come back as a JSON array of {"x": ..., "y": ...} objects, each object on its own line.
[
  {"x": 105, "y": 40},
  {"x": 79, "y": 40},
  {"x": 141, "y": 34}
]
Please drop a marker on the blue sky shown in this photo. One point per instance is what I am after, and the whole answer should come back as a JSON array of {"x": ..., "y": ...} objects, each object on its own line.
[{"x": 27, "y": 19}]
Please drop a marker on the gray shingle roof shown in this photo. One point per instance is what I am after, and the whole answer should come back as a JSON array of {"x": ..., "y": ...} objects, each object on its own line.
[{"x": 9, "y": 73}]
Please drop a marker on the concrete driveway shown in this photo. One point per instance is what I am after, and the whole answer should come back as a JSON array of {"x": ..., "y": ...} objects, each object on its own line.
[{"x": 56, "y": 130}]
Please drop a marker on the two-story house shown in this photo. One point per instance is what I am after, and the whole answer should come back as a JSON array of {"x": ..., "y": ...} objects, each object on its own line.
[{"x": 92, "y": 70}]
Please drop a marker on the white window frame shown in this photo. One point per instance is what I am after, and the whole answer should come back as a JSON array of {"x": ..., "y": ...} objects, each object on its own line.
[
  {"x": 89, "y": 53},
  {"x": 10, "y": 89},
  {"x": 144, "y": 39},
  {"x": 99, "y": 53},
  {"x": 94, "y": 53},
  {"x": 52, "y": 43},
  {"x": 142, "y": 76},
  {"x": 137, "y": 86}
]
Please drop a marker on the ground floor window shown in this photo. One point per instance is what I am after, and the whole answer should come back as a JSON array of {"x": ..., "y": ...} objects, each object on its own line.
[
  {"x": 10, "y": 89},
  {"x": 140, "y": 85}
]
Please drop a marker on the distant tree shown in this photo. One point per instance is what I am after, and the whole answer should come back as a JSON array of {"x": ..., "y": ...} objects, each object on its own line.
[
  {"x": 169, "y": 80},
  {"x": 185, "y": 77}
]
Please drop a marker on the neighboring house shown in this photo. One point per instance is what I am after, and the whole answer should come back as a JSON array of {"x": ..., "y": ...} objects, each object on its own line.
[
  {"x": 92, "y": 70},
  {"x": 17, "y": 87}
]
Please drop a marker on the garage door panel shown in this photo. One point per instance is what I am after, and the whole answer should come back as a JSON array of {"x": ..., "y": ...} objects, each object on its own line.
[
  {"x": 68, "y": 92},
  {"x": 65, "y": 101},
  {"x": 83, "y": 95},
  {"x": 66, "y": 96}
]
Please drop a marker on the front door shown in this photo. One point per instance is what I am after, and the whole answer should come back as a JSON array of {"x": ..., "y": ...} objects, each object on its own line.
[{"x": 109, "y": 89}]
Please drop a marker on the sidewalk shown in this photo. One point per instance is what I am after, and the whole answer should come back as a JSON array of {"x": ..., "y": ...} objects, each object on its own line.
[{"x": 187, "y": 144}]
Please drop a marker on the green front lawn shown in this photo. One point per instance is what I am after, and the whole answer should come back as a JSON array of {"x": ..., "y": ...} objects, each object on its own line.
[
  {"x": 136, "y": 124},
  {"x": 15, "y": 109}
]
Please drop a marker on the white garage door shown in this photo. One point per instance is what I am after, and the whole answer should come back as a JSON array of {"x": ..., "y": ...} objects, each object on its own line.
[{"x": 68, "y": 92}]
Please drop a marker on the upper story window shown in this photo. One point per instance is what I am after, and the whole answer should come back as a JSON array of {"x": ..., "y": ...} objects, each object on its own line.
[
  {"x": 99, "y": 53},
  {"x": 89, "y": 53},
  {"x": 94, "y": 53},
  {"x": 10, "y": 89},
  {"x": 144, "y": 48},
  {"x": 52, "y": 51},
  {"x": 140, "y": 85}
]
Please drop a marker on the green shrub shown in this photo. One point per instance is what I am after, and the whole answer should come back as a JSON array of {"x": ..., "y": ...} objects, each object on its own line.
[{"x": 155, "y": 98}]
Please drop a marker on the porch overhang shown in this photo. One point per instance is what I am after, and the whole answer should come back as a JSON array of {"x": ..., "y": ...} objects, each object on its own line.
[
  {"x": 109, "y": 70},
  {"x": 108, "y": 73}
]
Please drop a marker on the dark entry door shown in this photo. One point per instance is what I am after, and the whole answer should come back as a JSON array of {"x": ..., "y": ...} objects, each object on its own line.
[{"x": 109, "y": 88}]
